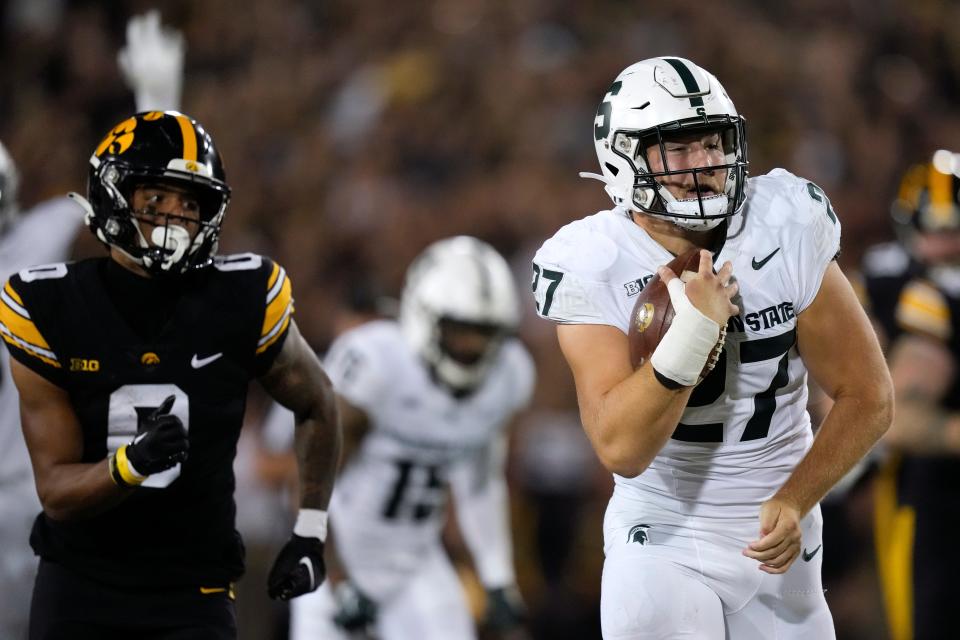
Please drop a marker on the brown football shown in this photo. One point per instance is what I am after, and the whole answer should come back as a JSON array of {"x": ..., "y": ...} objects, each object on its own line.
[{"x": 652, "y": 312}]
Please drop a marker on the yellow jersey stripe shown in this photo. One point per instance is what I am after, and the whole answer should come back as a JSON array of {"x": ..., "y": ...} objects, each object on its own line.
[
  {"x": 45, "y": 355},
  {"x": 278, "y": 331},
  {"x": 922, "y": 308},
  {"x": 14, "y": 304},
  {"x": 10, "y": 291},
  {"x": 189, "y": 137},
  {"x": 20, "y": 326},
  {"x": 272, "y": 280},
  {"x": 278, "y": 299},
  {"x": 894, "y": 532},
  {"x": 276, "y": 288}
]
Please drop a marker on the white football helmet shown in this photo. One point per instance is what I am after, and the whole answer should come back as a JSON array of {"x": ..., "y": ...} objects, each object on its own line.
[
  {"x": 9, "y": 181},
  {"x": 651, "y": 100},
  {"x": 465, "y": 281}
]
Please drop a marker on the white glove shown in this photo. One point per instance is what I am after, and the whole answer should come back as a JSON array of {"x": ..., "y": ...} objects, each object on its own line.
[{"x": 152, "y": 63}]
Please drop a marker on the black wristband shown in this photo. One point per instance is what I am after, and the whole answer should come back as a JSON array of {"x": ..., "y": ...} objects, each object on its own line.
[{"x": 672, "y": 385}]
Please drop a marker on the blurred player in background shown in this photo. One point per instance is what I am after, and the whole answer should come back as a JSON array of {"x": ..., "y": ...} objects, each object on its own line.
[
  {"x": 697, "y": 460},
  {"x": 913, "y": 292},
  {"x": 42, "y": 234},
  {"x": 132, "y": 372},
  {"x": 151, "y": 63},
  {"x": 427, "y": 400}
]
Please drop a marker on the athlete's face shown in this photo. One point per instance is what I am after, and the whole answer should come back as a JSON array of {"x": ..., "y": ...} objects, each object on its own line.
[
  {"x": 465, "y": 342},
  {"x": 156, "y": 205},
  {"x": 689, "y": 151}
]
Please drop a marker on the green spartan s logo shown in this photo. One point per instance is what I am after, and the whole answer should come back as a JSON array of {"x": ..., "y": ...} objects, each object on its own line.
[{"x": 638, "y": 533}]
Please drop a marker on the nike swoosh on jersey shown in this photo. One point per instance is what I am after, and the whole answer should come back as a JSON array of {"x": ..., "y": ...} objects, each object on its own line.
[
  {"x": 757, "y": 265},
  {"x": 807, "y": 557},
  {"x": 196, "y": 362},
  {"x": 208, "y": 590}
]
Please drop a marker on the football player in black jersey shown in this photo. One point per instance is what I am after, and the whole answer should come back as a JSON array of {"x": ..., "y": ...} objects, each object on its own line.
[
  {"x": 913, "y": 291},
  {"x": 133, "y": 372}
]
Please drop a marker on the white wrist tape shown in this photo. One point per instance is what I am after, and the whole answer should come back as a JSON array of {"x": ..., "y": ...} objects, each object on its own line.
[
  {"x": 311, "y": 523},
  {"x": 685, "y": 347}
]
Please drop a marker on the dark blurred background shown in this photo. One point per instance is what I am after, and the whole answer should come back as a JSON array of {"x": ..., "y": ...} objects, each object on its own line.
[{"x": 356, "y": 132}]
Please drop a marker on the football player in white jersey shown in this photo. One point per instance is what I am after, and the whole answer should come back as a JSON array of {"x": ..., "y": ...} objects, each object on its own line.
[
  {"x": 435, "y": 392},
  {"x": 151, "y": 63},
  {"x": 42, "y": 234},
  {"x": 717, "y": 481}
]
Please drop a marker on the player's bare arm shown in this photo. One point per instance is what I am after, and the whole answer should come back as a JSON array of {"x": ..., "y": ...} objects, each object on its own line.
[
  {"x": 629, "y": 415},
  {"x": 297, "y": 381},
  {"x": 68, "y": 488},
  {"x": 922, "y": 369},
  {"x": 839, "y": 348}
]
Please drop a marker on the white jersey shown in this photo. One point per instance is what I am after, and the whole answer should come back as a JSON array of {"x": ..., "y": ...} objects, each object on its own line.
[
  {"x": 746, "y": 425},
  {"x": 42, "y": 235},
  {"x": 389, "y": 503}
]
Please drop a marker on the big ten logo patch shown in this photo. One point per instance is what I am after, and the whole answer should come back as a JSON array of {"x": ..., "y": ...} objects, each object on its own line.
[
  {"x": 636, "y": 286},
  {"x": 84, "y": 364}
]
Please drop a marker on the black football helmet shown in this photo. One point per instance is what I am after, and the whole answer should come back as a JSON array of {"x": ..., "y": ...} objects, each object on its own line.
[
  {"x": 926, "y": 211},
  {"x": 156, "y": 147},
  {"x": 928, "y": 200}
]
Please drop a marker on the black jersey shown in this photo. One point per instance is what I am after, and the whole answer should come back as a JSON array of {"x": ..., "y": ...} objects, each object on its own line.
[
  {"x": 887, "y": 268},
  {"x": 119, "y": 348},
  {"x": 905, "y": 297},
  {"x": 930, "y": 305},
  {"x": 917, "y": 509}
]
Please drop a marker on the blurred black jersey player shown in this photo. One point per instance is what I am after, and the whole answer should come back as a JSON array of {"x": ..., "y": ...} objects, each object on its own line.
[{"x": 913, "y": 293}]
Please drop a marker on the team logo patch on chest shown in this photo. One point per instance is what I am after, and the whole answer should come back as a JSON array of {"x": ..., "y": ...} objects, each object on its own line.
[{"x": 149, "y": 359}]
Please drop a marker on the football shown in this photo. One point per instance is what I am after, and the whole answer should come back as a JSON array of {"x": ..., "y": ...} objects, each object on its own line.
[{"x": 652, "y": 312}]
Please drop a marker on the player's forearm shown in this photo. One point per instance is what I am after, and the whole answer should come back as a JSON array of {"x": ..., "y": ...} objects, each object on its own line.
[
  {"x": 854, "y": 424},
  {"x": 484, "y": 521},
  {"x": 317, "y": 445},
  {"x": 78, "y": 491},
  {"x": 634, "y": 421}
]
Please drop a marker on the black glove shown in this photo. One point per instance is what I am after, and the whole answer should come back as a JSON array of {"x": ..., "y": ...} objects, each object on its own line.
[
  {"x": 299, "y": 568},
  {"x": 505, "y": 609},
  {"x": 161, "y": 441},
  {"x": 355, "y": 611}
]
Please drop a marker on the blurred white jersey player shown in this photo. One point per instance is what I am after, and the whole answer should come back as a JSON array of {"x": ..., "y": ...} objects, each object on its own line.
[
  {"x": 41, "y": 235},
  {"x": 437, "y": 390},
  {"x": 151, "y": 64},
  {"x": 687, "y": 498}
]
